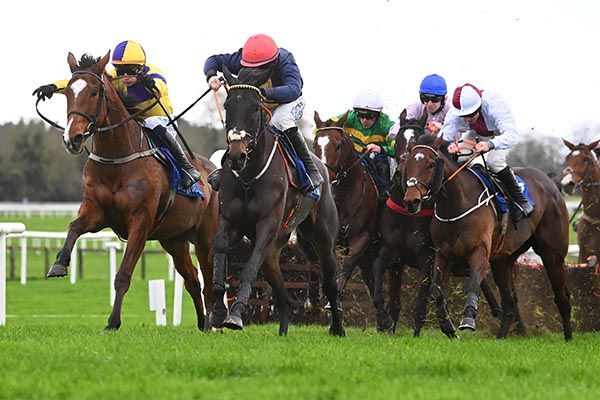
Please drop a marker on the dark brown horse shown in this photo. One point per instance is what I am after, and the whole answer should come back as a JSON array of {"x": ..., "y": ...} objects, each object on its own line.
[
  {"x": 465, "y": 230},
  {"x": 583, "y": 170},
  {"x": 355, "y": 196},
  {"x": 258, "y": 201},
  {"x": 126, "y": 190},
  {"x": 405, "y": 240}
]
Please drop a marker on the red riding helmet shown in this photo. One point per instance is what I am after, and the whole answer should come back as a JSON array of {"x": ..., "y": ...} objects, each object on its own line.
[{"x": 259, "y": 50}]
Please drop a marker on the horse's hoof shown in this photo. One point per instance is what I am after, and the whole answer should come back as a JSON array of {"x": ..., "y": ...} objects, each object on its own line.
[
  {"x": 233, "y": 322},
  {"x": 467, "y": 323},
  {"x": 215, "y": 320},
  {"x": 216, "y": 330},
  {"x": 109, "y": 328},
  {"x": 57, "y": 271},
  {"x": 385, "y": 324},
  {"x": 337, "y": 331}
]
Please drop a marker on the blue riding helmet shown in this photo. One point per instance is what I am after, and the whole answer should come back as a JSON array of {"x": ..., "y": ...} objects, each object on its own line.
[{"x": 433, "y": 84}]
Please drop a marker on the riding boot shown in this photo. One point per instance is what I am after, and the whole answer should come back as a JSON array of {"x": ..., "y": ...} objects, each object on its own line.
[
  {"x": 214, "y": 179},
  {"x": 314, "y": 177},
  {"x": 514, "y": 190},
  {"x": 383, "y": 171},
  {"x": 190, "y": 174}
]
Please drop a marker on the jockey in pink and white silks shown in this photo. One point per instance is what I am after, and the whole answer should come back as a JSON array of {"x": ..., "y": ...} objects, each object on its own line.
[{"x": 485, "y": 117}]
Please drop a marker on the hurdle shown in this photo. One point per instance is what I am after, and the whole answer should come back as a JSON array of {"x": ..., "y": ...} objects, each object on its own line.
[{"x": 5, "y": 230}]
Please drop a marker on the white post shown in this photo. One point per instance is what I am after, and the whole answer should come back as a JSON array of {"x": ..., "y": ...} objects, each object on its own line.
[
  {"x": 5, "y": 229},
  {"x": 23, "y": 260},
  {"x": 177, "y": 299},
  {"x": 171, "y": 274},
  {"x": 156, "y": 291},
  {"x": 73, "y": 266},
  {"x": 112, "y": 267}
]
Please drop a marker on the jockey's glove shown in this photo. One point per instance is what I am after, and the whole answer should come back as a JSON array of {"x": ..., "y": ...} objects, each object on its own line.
[
  {"x": 45, "y": 91},
  {"x": 147, "y": 81}
]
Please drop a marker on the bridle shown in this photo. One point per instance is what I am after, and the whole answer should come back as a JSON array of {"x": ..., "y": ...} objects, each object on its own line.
[
  {"x": 435, "y": 184},
  {"x": 591, "y": 165}
]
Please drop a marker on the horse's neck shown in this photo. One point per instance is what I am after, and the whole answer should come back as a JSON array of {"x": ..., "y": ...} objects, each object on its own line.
[
  {"x": 122, "y": 140},
  {"x": 261, "y": 155},
  {"x": 459, "y": 193},
  {"x": 590, "y": 194}
]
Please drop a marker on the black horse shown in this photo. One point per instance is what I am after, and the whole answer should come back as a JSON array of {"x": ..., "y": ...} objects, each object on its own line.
[{"x": 258, "y": 201}]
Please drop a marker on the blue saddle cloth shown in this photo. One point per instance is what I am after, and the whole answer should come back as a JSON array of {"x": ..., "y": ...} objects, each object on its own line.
[
  {"x": 502, "y": 203},
  {"x": 175, "y": 172},
  {"x": 296, "y": 163}
]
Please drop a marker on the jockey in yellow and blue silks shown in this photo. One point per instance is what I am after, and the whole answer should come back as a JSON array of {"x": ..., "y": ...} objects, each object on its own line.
[
  {"x": 369, "y": 129},
  {"x": 141, "y": 84},
  {"x": 283, "y": 91}
]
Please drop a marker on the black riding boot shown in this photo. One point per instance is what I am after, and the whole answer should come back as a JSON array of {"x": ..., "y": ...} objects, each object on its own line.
[
  {"x": 383, "y": 170},
  {"x": 190, "y": 175},
  {"x": 214, "y": 179},
  {"x": 297, "y": 140},
  {"x": 514, "y": 190}
]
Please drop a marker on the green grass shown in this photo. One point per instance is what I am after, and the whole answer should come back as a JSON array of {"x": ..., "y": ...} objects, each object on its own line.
[{"x": 53, "y": 346}]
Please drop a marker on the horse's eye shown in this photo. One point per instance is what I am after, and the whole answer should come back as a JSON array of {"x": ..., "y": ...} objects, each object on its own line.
[
  {"x": 94, "y": 92},
  {"x": 430, "y": 165}
]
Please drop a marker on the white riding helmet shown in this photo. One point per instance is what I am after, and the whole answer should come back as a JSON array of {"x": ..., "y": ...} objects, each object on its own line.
[
  {"x": 368, "y": 100},
  {"x": 466, "y": 99}
]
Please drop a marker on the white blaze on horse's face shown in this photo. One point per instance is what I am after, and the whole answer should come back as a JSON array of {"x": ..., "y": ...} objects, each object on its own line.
[
  {"x": 419, "y": 156},
  {"x": 234, "y": 134},
  {"x": 322, "y": 142},
  {"x": 78, "y": 86}
]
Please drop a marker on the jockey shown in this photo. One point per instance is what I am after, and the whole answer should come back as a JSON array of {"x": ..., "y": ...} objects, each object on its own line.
[
  {"x": 368, "y": 127},
  {"x": 432, "y": 93},
  {"x": 283, "y": 89},
  {"x": 485, "y": 117},
  {"x": 140, "y": 82}
]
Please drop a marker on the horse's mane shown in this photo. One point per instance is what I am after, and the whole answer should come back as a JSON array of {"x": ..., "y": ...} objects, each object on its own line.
[
  {"x": 87, "y": 61},
  {"x": 256, "y": 76}
]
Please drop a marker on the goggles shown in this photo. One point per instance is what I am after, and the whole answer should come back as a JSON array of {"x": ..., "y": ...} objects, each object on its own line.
[
  {"x": 434, "y": 98},
  {"x": 129, "y": 69}
]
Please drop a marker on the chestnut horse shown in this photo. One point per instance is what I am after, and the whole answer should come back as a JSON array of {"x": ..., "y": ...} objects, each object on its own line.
[
  {"x": 355, "y": 196},
  {"x": 126, "y": 190},
  {"x": 405, "y": 239},
  {"x": 259, "y": 202},
  {"x": 465, "y": 230},
  {"x": 583, "y": 170}
]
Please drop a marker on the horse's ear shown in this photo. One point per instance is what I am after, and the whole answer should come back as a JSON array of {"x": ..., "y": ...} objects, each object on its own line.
[
  {"x": 593, "y": 145},
  {"x": 437, "y": 142},
  {"x": 343, "y": 120},
  {"x": 403, "y": 117},
  {"x": 318, "y": 121},
  {"x": 570, "y": 145},
  {"x": 72, "y": 62},
  {"x": 228, "y": 76},
  {"x": 99, "y": 67}
]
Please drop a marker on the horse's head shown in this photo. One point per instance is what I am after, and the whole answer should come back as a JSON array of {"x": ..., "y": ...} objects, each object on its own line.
[
  {"x": 329, "y": 144},
  {"x": 87, "y": 102},
  {"x": 423, "y": 173},
  {"x": 410, "y": 130},
  {"x": 581, "y": 163},
  {"x": 247, "y": 115}
]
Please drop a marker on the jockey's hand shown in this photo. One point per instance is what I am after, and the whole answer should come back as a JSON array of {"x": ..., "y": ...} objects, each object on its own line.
[
  {"x": 373, "y": 148},
  {"x": 453, "y": 148},
  {"x": 482, "y": 147},
  {"x": 214, "y": 83},
  {"x": 45, "y": 91},
  {"x": 147, "y": 81},
  {"x": 433, "y": 127}
]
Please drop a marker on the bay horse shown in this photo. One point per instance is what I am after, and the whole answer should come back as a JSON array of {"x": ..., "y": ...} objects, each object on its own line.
[
  {"x": 465, "y": 230},
  {"x": 583, "y": 170},
  {"x": 258, "y": 201},
  {"x": 405, "y": 240},
  {"x": 355, "y": 196},
  {"x": 126, "y": 190}
]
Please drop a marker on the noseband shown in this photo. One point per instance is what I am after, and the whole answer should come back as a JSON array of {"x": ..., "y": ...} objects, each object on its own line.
[
  {"x": 434, "y": 185},
  {"x": 92, "y": 128},
  {"x": 234, "y": 134},
  {"x": 342, "y": 172}
]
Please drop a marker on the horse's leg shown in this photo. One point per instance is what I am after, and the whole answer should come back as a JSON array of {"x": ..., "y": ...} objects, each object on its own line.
[
  {"x": 265, "y": 237},
  {"x": 394, "y": 286},
  {"x": 356, "y": 249},
  {"x": 479, "y": 266},
  {"x": 420, "y": 312},
  {"x": 90, "y": 219},
  {"x": 520, "y": 325},
  {"x": 136, "y": 241},
  {"x": 491, "y": 299},
  {"x": 272, "y": 272},
  {"x": 382, "y": 262},
  {"x": 205, "y": 255},
  {"x": 439, "y": 283},
  {"x": 555, "y": 269},
  {"x": 226, "y": 234},
  {"x": 179, "y": 250},
  {"x": 502, "y": 271}
]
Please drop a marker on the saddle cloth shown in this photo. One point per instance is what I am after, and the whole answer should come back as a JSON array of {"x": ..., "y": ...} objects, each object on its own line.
[{"x": 501, "y": 198}]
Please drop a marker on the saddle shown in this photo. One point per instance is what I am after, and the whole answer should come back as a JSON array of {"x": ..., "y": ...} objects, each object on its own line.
[
  {"x": 164, "y": 156},
  {"x": 295, "y": 169},
  {"x": 501, "y": 200}
]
